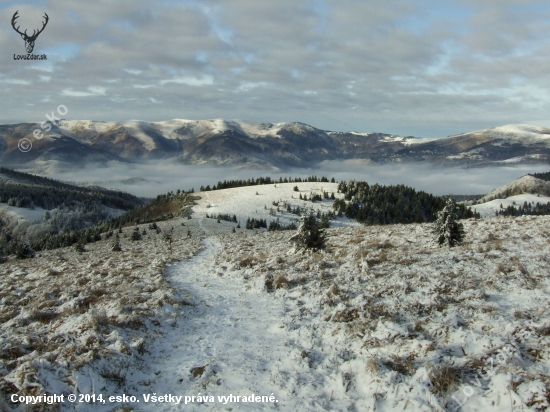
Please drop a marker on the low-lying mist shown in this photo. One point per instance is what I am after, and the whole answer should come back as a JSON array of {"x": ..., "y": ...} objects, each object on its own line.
[{"x": 153, "y": 178}]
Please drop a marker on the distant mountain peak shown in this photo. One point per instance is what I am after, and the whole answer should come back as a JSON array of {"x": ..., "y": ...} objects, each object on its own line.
[{"x": 248, "y": 144}]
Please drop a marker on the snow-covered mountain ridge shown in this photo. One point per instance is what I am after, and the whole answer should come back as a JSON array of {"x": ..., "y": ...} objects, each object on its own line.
[{"x": 246, "y": 144}]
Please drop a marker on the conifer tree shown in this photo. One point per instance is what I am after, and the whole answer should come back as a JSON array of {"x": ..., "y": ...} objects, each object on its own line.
[
  {"x": 448, "y": 230},
  {"x": 135, "y": 234},
  {"x": 115, "y": 244},
  {"x": 23, "y": 250},
  {"x": 309, "y": 234},
  {"x": 79, "y": 248}
]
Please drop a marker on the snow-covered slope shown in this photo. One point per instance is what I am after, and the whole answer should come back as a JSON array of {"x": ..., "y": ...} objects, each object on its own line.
[
  {"x": 514, "y": 133},
  {"x": 489, "y": 208},
  {"x": 382, "y": 319},
  {"x": 525, "y": 184},
  {"x": 257, "y": 202},
  {"x": 385, "y": 320}
]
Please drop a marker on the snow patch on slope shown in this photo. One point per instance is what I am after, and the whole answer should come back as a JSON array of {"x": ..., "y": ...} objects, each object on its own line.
[
  {"x": 135, "y": 129},
  {"x": 244, "y": 203},
  {"x": 489, "y": 208},
  {"x": 515, "y": 133},
  {"x": 525, "y": 184}
]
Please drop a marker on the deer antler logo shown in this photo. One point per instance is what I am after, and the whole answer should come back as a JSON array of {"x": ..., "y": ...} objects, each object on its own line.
[{"x": 29, "y": 40}]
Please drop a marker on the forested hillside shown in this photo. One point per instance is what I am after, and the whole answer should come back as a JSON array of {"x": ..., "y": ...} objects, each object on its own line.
[
  {"x": 26, "y": 190},
  {"x": 68, "y": 209},
  {"x": 383, "y": 205}
]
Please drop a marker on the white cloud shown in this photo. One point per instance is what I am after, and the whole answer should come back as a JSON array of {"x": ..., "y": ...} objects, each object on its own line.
[
  {"x": 92, "y": 91},
  {"x": 416, "y": 68},
  {"x": 191, "y": 81},
  {"x": 246, "y": 86}
]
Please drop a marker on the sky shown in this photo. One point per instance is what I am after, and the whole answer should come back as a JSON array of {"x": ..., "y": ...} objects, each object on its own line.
[{"x": 424, "y": 68}]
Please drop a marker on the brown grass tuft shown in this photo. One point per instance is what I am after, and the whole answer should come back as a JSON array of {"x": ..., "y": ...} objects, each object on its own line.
[
  {"x": 444, "y": 378},
  {"x": 280, "y": 282}
]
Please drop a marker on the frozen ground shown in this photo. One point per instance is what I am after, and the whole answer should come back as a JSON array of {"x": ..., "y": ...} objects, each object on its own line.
[
  {"x": 383, "y": 319},
  {"x": 386, "y": 320},
  {"x": 229, "y": 340}
]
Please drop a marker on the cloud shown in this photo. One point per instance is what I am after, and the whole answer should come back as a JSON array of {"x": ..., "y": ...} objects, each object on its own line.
[
  {"x": 424, "y": 68},
  {"x": 162, "y": 177},
  {"x": 92, "y": 91},
  {"x": 191, "y": 81}
]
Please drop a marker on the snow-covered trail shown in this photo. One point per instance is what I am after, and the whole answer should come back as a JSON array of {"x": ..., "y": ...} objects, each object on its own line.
[{"x": 234, "y": 336}]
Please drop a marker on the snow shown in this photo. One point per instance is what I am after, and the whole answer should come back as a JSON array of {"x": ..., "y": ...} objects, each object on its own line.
[
  {"x": 383, "y": 308},
  {"x": 134, "y": 127},
  {"x": 244, "y": 203},
  {"x": 525, "y": 184},
  {"x": 202, "y": 127},
  {"x": 374, "y": 322},
  {"x": 99, "y": 127},
  {"x": 516, "y": 133},
  {"x": 418, "y": 140},
  {"x": 520, "y": 159},
  {"x": 223, "y": 331},
  {"x": 489, "y": 208}
]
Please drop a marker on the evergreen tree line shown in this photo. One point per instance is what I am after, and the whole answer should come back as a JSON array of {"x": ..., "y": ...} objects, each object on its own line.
[
  {"x": 383, "y": 205},
  {"x": 226, "y": 217},
  {"x": 543, "y": 176},
  {"x": 316, "y": 197},
  {"x": 253, "y": 223},
  {"x": 65, "y": 225},
  {"x": 50, "y": 194},
  {"x": 227, "y": 184},
  {"x": 525, "y": 209}
]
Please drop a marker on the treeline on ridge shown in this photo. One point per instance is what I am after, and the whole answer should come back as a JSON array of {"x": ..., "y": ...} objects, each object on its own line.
[
  {"x": 227, "y": 184},
  {"x": 384, "y": 205}
]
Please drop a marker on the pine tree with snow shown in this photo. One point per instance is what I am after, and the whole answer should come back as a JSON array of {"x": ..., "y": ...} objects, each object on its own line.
[
  {"x": 115, "y": 244},
  {"x": 448, "y": 230},
  {"x": 23, "y": 250},
  {"x": 309, "y": 234},
  {"x": 135, "y": 234}
]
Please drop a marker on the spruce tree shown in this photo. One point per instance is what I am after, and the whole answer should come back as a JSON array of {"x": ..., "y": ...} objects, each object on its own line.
[
  {"x": 79, "y": 248},
  {"x": 448, "y": 230},
  {"x": 115, "y": 244},
  {"x": 135, "y": 234},
  {"x": 23, "y": 250},
  {"x": 309, "y": 234}
]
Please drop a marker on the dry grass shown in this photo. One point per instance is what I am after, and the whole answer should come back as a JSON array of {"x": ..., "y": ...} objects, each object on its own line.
[
  {"x": 444, "y": 379},
  {"x": 403, "y": 365},
  {"x": 280, "y": 282},
  {"x": 88, "y": 296}
]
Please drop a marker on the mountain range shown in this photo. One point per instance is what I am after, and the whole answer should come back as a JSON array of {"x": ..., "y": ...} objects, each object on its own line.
[{"x": 244, "y": 144}]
